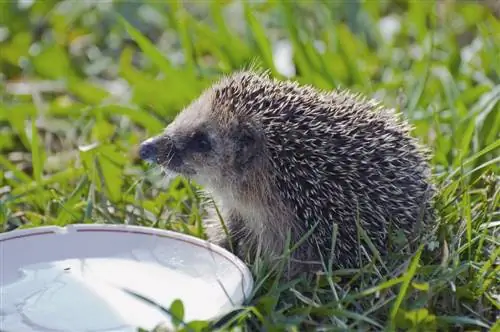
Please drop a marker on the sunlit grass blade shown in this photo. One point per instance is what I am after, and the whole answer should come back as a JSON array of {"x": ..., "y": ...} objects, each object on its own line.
[
  {"x": 18, "y": 174},
  {"x": 461, "y": 321},
  {"x": 234, "y": 48},
  {"x": 178, "y": 19},
  {"x": 298, "y": 48},
  {"x": 37, "y": 153},
  {"x": 63, "y": 176},
  {"x": 259, "y": 37},
  {"x": 67, "y": 210},
  {"x": 407, "y": 278},
  {"x": 149, "y": 49},
  {"x": 141, "y": 117},
  {"x": 491, "y": 147}
]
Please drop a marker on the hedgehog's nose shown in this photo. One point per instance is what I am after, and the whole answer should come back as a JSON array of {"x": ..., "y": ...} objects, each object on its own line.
[{"x": 147, "y": 150}]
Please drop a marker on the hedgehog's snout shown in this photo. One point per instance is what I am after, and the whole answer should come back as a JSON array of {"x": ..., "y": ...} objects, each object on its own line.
[
  {"x": 161, "y": 150},
  {"x": 148, "y": 150}
]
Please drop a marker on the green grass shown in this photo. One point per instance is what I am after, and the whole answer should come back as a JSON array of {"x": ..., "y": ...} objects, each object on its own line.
[{"x": 68, "y": 134}]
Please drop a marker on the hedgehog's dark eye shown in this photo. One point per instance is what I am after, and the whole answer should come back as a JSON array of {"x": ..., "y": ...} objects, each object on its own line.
[{"x": 200, "y": 142}]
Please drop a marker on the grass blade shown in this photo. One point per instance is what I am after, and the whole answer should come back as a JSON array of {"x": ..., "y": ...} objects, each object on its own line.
[
  {"x": 259, "y": 36},
  {"x": 148, "y": 48},
  {"x": 37, "y": 154},
  {"x": 407, "y": 278}
]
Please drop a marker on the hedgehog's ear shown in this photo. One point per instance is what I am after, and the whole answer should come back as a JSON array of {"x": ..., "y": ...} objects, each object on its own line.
[{"x": 247, "y": 141}]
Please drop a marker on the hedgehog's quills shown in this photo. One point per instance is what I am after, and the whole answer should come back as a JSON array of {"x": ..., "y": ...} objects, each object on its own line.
[{"x": 279, "y": 158}]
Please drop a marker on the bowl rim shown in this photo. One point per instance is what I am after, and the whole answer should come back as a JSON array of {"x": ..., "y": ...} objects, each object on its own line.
[{"x": 246, "y": 276}]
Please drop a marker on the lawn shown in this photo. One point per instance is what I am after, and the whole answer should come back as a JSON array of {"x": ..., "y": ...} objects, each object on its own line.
[{"x": 83, "y": 82}]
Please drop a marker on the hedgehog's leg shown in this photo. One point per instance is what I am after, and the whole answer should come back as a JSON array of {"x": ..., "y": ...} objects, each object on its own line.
[{"x": 305, "y": 259}]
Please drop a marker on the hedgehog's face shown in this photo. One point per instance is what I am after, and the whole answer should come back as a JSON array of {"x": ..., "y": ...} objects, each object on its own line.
[{"x": 200, "y": 145}]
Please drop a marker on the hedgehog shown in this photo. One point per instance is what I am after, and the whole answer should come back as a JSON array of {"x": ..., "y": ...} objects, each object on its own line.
[{"x": 296, "y": 172}]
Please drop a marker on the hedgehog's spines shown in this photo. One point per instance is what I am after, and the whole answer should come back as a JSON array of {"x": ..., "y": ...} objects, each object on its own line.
[{"x": 323, "y": 155}]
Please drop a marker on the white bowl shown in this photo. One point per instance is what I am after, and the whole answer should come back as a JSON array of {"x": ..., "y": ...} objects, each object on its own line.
[{"x": 72, "y": 278}]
